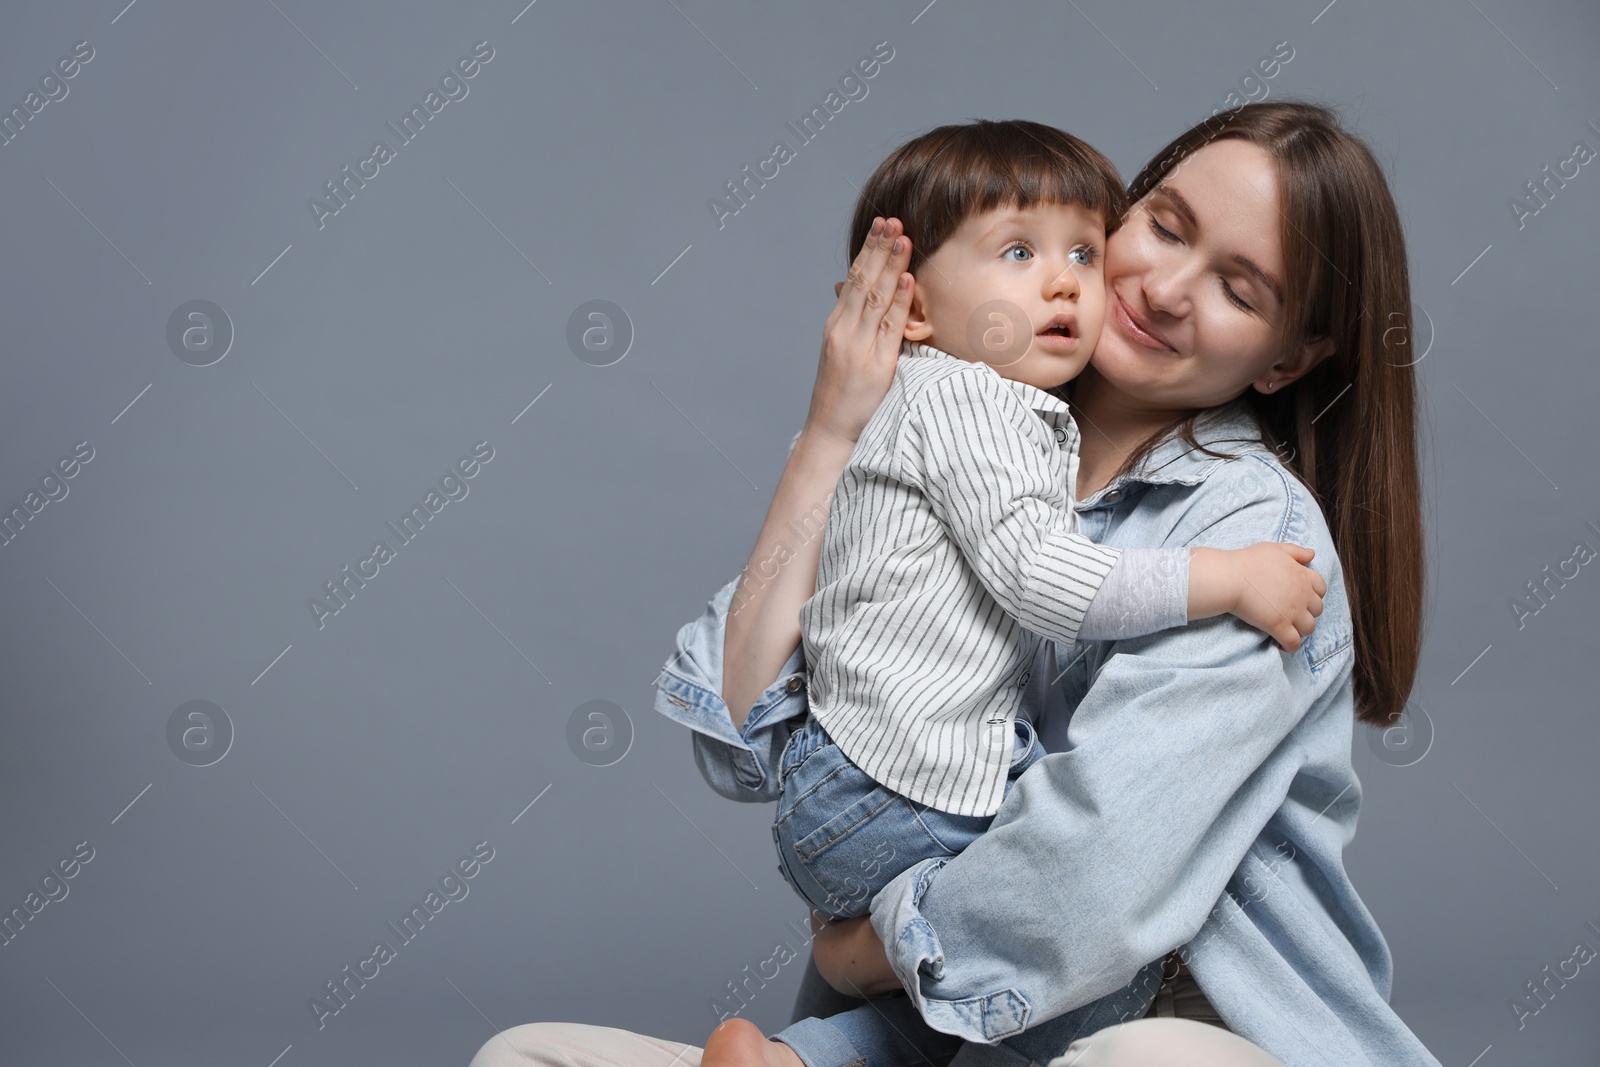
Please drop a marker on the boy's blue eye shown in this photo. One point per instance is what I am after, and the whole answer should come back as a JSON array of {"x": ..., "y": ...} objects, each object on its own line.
[
  {"x": 1083, "y": 257},
  {"x": 1020, "y": 248}
]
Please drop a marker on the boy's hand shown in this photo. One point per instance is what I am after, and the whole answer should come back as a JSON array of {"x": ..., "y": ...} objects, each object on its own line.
[{"x": 1268, "y": 585}]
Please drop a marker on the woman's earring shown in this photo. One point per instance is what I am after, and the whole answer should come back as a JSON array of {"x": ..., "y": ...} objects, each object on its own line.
[{"x": 1271, "y": 384}]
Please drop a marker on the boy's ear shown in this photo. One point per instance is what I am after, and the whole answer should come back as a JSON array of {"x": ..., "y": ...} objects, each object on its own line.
[{"x": 918, "y": 328}]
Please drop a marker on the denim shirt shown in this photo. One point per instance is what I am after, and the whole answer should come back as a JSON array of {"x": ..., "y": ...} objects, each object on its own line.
[{"x": 1197, "y": 795}]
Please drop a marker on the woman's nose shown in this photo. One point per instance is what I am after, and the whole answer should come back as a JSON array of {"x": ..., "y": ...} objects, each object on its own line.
[{"x": 1165, "y": 291}]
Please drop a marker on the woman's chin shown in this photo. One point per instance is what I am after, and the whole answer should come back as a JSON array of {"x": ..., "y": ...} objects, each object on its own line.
[
  {"x": 1126, "y": 365},
  {"x": 1144, "y": 378}
]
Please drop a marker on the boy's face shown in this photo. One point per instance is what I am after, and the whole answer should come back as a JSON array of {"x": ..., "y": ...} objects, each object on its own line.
[{"x": 1021, "y": 289}]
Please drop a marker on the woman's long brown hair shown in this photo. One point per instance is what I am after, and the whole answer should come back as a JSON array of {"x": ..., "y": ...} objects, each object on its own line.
[{"x": 1347, "y": 428}]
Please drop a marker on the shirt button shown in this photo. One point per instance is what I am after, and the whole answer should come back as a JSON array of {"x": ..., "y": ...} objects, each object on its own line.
[
  {"x": 1113, "y": 496},
  {"x": 794, "y": 684},
  {"x": 1061, "y": 433},
  {"x": 1024, "y": 679}
]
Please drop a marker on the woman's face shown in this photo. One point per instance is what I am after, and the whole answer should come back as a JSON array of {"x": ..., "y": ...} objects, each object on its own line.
[{"x": 1194, "y": 285}]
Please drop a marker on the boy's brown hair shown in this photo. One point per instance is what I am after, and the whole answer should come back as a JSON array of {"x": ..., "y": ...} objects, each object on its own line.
[{"x": 934, "y": 182}]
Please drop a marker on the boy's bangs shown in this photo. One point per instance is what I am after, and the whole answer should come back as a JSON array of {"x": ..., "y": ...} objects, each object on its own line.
[{"x": 937, "y": 181}]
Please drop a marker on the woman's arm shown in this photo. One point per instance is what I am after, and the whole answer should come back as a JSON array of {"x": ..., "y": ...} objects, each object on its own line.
[
  {"x": 861, "y": 342},
  {"x": 1112, "y": 852},
  {"x": 764, "y": 617}
]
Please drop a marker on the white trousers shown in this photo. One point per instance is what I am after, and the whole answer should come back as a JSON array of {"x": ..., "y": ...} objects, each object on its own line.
[{"x": 1148, "y": 1042}]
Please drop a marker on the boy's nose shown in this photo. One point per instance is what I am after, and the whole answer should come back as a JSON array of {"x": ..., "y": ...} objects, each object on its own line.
[{"x": 1065, "y": 283}]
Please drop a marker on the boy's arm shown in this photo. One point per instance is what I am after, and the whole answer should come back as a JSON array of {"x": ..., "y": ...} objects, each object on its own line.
[
  {"x": 964, "y": 443},
  {"x": 1267, "y": 585},
  {"x": 1146, "y": 591}
]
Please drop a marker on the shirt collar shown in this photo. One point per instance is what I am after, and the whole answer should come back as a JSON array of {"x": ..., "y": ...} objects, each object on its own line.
[
  {"x": 1032, "y": 395},
  {"x": 1227, "y": 428}
]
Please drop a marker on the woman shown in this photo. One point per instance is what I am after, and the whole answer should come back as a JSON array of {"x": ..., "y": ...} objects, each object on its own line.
[{"x": 1251, "y": 379}]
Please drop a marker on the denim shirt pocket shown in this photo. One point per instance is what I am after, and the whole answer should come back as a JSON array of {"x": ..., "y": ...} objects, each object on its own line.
[{"x": 1322, "y": 647}]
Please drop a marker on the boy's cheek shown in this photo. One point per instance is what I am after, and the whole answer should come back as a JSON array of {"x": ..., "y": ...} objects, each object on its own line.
[{"x": 1092, "y": 319}]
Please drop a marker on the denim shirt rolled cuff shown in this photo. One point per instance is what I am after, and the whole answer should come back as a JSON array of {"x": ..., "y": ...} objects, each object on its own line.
[
  {"x": 738, "y": 763},
  {"x": 917, "y": 957}
]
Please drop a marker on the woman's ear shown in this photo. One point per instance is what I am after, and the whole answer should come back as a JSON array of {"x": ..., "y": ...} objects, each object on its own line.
[
  {"x": 1301, "y": 362},
  {"x": 918, "y": 328}
]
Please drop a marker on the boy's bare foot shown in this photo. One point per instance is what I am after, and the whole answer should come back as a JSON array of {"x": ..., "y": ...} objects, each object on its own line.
[{"x": 740, "y": 1043}]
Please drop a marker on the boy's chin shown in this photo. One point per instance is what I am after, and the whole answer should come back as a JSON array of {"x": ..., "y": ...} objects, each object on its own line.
[
  {"x": 1047, "y": 370},
  {"x": 1036, "y": 365}
]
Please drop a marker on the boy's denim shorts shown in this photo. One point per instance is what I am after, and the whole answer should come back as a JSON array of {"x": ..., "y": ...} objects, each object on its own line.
[{"x": 841, "y": 836}]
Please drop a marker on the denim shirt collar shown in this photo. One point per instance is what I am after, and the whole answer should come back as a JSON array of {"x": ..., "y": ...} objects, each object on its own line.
[{"x": 1229, "y": 428}]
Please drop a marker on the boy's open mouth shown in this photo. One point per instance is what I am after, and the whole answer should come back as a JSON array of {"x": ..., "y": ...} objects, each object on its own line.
[{"x": 1060, "y": 326}]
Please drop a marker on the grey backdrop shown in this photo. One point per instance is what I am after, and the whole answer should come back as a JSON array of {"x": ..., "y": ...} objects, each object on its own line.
[{"x": 371, "y": 352}]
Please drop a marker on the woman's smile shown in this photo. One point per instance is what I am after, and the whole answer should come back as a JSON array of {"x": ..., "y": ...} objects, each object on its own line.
[{"x": 1137, "y": 328}]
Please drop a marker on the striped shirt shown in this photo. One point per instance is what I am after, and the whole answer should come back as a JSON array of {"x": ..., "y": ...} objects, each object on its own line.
[{"x": 951, "y": 549}]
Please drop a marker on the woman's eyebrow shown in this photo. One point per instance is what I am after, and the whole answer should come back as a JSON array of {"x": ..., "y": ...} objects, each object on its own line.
[{"x": 1178, "y": 202}]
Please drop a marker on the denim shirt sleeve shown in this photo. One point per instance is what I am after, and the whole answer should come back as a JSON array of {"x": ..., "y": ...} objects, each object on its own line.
[
  {"x": 1112, "y": 852},
  {"x": 738, "y": 764}
]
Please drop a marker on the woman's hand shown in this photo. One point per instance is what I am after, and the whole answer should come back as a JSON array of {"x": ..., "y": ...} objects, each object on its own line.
[
  {"x": 862, "y": 337},
  {"x": 850, "y": 957}
]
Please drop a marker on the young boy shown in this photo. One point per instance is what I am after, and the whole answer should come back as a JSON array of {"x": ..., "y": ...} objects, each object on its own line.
[{"x": 951, "y": 549}]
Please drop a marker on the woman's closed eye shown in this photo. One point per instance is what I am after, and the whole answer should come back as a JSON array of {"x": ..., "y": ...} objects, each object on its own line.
[
  {"x": 1160, "y": 230},
  {"x": 1233, "y": 297},
  {"x": 1167, "y": 235}
]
